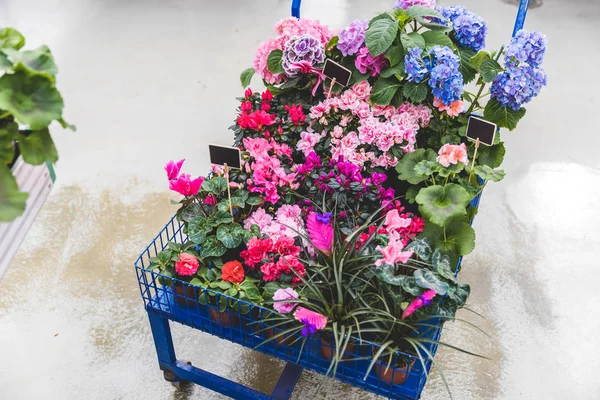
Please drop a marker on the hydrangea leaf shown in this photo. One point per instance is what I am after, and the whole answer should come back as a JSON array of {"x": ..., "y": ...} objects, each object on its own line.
[
  {"x": 11, "y": 39},
  {"x": 423, "y": 15},
  {"x": 415, "y": 92},
  {"x": 384, "y": 15},
  {"x": 413, "y": 39},
  {"x": 12, "y": 202},
  {"x": 489, "y": 70},
  {"x": 428, "y": 280},
  {"x": 274, "y": 62},
  {"x": 478, "y": 59},
  {"x": 441, "y": 204},
  {"x": 455, "y": 239},
  {"x": 465, "y": 68},
  {"x": 212, "y": 247},
  {"x": 492, "y": 156},
  {"x": 504, "y": 117},
  {"x": 380, "y": 35},
  {"x": 488, "y": 174},
  {"x": 37, "y": 147},
  {"x": 230, "y": 235},
  {"x": 246, "y": 77},
  {"x": 383, "y": 91},
  {"x": 437, "y": 38},
  {"x": 406, "y": 166},
  {"x": 395, "y": 54},
  {"x": 31, "y": 99},
  {"x": 396, "y": 70}
]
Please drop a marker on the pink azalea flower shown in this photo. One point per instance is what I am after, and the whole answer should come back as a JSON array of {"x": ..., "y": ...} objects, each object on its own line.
[
  {"x": 185, "y": 185},
  {"x": 307, "y": 142},
  {"x": 280, "y": 305},
  {"x": 393, "y": 221},
  {"x": 453, "y": 154},
  {"x": 260, "y": 218},
  {"x": 315, "y": 319},
  {"x": 173, "y": 169},
  {"x": 257, "y": 147}
]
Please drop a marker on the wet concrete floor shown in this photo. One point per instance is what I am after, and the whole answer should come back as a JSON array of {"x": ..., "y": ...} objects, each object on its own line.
[{"x": 148, "y": 81}]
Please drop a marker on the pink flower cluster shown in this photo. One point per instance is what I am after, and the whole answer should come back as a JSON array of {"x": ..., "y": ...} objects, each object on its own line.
[
  {"x": 452, "y": 110},
  {"x": 453, "y": 154},
  {"x": 275, "y": 257},
  {"x": 287, "y": 222},
  {"x": 367, "y": 64},
  {"x": 393, "y": 252},
  {"x": 379, "y": 128},
  {"x": 267, "y": 171},
  {"x": 286, "y": 29},
  {"x": 182, "y": 184}
]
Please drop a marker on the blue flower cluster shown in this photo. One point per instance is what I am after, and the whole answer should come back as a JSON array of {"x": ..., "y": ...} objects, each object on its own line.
[
  {"x": 446, "y": 80},
  {"x": 523, "y": 79},
  {"x": 516, "y": 86},
  {"x": 470, "y": 29},
  {"x": 526, "y": 47},
  {"x": 416, "y": 68}
]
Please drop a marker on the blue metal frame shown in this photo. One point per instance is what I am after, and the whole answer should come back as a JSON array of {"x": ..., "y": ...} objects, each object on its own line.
[{"x": 165, "y": 303}]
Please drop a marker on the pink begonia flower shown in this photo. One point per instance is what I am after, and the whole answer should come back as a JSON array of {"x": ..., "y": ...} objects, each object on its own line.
[
  {"x": 452, "y": 110},
  {"x": 185, "y": 185},
  {"x": 453, "y": 154},
  {"x": 315, "y": 319},
  {"x": 421, "y": 301},
  {"x": 280, "y": 305},
  {"x": 394, "y": 221},
  {"x": 173, "y": 169},
  {"x": 393, "y": 253}
]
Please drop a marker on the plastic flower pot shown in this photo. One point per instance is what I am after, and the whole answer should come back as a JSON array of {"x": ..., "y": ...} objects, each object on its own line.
[
  {"x": 392, "y": 375},
  {"x": 226, "y": 318},
  {"x": 185, "y": 294}
]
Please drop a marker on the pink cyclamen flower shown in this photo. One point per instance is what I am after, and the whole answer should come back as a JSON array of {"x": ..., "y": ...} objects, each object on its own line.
[
  {"x": 280, "y": 305},
  {"x": 173, "y": 169},
  {"x": 421, "y": 301},
  {"x": 453, "y": 154},
  {"x": 393, "y": 253},
  {"x": 393, "y": 221},
  {"x": 187, "y": 265},
  {"x": 315, "y": 319},
  {"x": 185, "y": 185}
]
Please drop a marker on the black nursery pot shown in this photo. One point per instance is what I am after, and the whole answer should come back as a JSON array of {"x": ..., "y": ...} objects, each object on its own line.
[{"x": 233, "y": 254}]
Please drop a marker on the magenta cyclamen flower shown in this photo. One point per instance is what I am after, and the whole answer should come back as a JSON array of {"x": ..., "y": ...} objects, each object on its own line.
[
  {"x": 366, "y": 63},
  {"x": 185, "y": 185},
  {"x": 351, "y": 38},
  {"x": 305, "y": 48},
  {"x": 173, "y": 169}
]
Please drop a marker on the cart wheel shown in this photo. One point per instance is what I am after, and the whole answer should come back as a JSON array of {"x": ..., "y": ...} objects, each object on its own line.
[{"x": 171, "y": 377}]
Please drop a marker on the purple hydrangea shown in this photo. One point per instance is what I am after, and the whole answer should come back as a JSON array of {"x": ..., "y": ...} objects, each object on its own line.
[
  {"x": 304, "y": 48},
  {"x": 516, "y": 86},
  {"x": 366, "y": 63},
  {"x": 446, "y": 81},
  {"x": 415, "y": 66},
  {"x": 351, "y": 38},
  {"x": 404, "y": 4},
  {"x": 526, "y": 47},
  {"x": 470, "y": 29}
]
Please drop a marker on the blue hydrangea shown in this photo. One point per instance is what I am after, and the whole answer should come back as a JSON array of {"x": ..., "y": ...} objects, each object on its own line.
[
  {"x": 470, "y": 29},
  {"x": 526, "y": 47},
  {"x": 446, "y": 81},
  {"x": 416, "y": 68},
  {"x": 516, "y": 86}
]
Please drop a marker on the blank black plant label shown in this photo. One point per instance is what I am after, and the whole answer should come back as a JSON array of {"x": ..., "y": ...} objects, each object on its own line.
[
  {"x": 333, "y": 70},
  {"x": 221, "y": 155},
  {"x": 481, "y": 129}
]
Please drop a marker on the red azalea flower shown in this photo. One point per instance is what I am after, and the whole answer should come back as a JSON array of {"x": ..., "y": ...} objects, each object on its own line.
[
  {"x": 285, "y": 246},
  {"x": 257, "y": 250},
  {"x": 244, "y": 120},
  {"x": 267, "y": 95},
  {"x": 248, "y": 93},
  {"x": 259, "y": 119},
  {"x": 246, "y": 106},
  {"x": 296, "y": 114},
  {"x": 265, "y": 106}
]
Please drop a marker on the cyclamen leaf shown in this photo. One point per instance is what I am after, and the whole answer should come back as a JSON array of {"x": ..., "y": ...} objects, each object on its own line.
[{"x": 427, "y": 280}]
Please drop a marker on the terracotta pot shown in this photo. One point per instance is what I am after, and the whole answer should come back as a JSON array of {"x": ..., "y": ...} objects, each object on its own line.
[
  {"x": 391, "y": 375},
  {"x": 284, "y": 340},
  {"x": 186, "y": 296},
  {"x": 224, "y": 318},
  {"x": 328, "y": 350}
]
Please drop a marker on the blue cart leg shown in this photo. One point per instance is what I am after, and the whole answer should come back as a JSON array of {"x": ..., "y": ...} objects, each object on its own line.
[
  {"x": 163, "y": 342},
  {"x": 287, "y": 381}
]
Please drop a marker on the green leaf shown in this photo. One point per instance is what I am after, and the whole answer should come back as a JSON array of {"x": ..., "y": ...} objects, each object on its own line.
[
  {"x": 254, "y": 201},
  {"x": 212, "y": 247},
  {"x": 413, "y": 39},
  {"x": 441, "y": 204},
  {"x": 216, "y": 185},
  {"x": 427, "y": 280},
  {"x": 197, "y": 282},
  {"x": 490, "y": 70},
  {"x": 230, "y": 235},
  {"x": 274, "y": 62},
  {"x": 272, "y": 287},
  {"x": 384, "y": 15},
  {"x": 221, "y": 285},
  {"x": 398, "y": 69},
  {"x": 492, "y": 156},
  {"x": 31, "y": 99},
  {"x": 421, "y": 248},
  {"x": 401, "y": 16},
  {"x": 415, "y": 92},
  {"x": 5, "y": 63},
  {"x": 421, "y": 13},
  {"x": 7, "y": 135},
  {"x": 395, "y": 54},
  {"x": 332, "y": 43},
  {"x": 406, "y": 166},
  {"x": 246, "y": 77},
  {"x": 504, "y": 117},
  {"x": 380, "y": 35},
  {"x": 478, "y": 59},
  {"x": 255, "y": 229},
  {"x": 12, "y": 202},
  {"x": 461, "y": 294},
  {"x": 488, "y": 174},
  {"x": 253, "y": 294},
  {"x": 387, "y": 273},
  {"x": 459, "y": 238},
  {"x": 383, "y": 91},
  {"x": 465, "y": 68},
  {"x": 437, "y": 38},
  {"x": 441, "y": 264},
  {"x": 38, "y": 61},
  {"x": 427, "y": 167},
  {"x": 411, "y": 194},
  {"x": 235, "y": 202},
  {"x": 11, "y": 39},
  {"x": 38, "y": 147},
  {"x": 189, "y": 212},
  {"x": 198, "y": 229},
  {"x": 220, "y": 217}
]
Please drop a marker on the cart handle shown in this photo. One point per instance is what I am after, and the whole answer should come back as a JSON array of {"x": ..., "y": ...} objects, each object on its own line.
[{"x": 296, "y": 8}]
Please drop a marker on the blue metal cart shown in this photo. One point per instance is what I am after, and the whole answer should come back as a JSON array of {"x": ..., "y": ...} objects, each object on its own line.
[{"x": 179, "y": 302}]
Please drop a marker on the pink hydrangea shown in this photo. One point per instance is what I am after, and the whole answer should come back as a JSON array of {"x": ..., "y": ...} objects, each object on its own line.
[
  {"x": 404, "y": 4},
  {"x": 362, "y": 90},
  {"x": 453, "y": 154},
  {"x": 260, "y": 60},
  {"x": 366, "y": 63}
]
